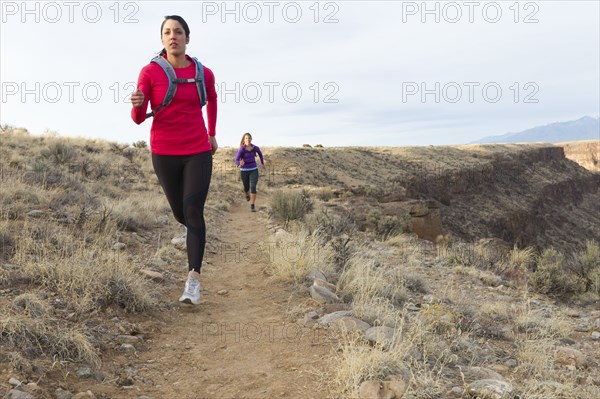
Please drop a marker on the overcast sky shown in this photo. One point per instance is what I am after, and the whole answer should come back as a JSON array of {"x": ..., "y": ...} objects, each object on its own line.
[{"x": 335, "y": 73}]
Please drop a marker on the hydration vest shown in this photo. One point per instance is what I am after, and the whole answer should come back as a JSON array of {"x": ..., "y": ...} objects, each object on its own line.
[{"x": 174, "y": 81}]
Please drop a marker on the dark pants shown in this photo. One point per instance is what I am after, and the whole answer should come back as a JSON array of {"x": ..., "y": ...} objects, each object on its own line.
[
  {"x": 185, "y": 181},
  {"x": 249, "y": 179}
]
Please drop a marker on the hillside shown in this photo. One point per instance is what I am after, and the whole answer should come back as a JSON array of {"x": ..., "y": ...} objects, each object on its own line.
[
  {"x": 416, "y": 273},
  {"x": 585, "y": 153},
  {"x": 585, "y": 128},
  {"x": 526, "y": 195}
]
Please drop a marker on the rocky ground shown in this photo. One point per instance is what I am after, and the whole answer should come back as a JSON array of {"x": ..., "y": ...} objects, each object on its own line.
[{"x": 448, "y": 322}]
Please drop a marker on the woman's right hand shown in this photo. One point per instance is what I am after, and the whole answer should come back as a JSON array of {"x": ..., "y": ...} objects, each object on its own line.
[
  {"x": 242, "y": 162},
  {"x": 137, "y": 98}
]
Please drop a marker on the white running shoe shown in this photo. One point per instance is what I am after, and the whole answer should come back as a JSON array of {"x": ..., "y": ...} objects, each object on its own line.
[
  {"x": 180, "y": 241},
  {"x": 191, "y": 293}
]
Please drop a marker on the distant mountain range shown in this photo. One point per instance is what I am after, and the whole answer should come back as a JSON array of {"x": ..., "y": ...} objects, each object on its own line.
[{"x": 586, "y": 128}]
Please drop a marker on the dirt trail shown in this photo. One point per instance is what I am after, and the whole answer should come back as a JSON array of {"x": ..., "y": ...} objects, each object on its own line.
[{"x": 238, "y": 343}]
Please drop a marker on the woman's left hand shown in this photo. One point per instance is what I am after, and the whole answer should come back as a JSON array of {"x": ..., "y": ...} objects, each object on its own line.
[{"x": 213, "y": 144}]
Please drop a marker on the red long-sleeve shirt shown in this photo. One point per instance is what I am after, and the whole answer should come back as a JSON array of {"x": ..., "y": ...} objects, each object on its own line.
[{"x": 178, "y": 128}]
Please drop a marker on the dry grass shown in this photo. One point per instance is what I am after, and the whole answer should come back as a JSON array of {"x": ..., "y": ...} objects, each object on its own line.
[
  {"x": 376, "y": 311},
  {"x": 298, "y": 253},
  {"x": 411, "y": 249},
  {"x": 480, "y": 306},
  {"x": 358, "y": 362},
  {"x": 67, "y": 248},
  {"x": 496, "y": 311},
  {"x": 365, "y": 276},
  {"x": 535, "y": 389},
  {"x": 59, "y": 262},
  {"x": 535, "y": 357},
  {"x": 136, "y": 212},
  {"x": 541, "y": 378},
  {"x": 30, "y": 305},
  {"x": 518, "y": 264},
  {"x": 42, "y": 334},
  {"x": 541, "y": 324},
  {"x": 485, "y": 277},
  {"x": 104, "y": 190},
  {"x": 96, "y": 282},
  {"x": 5, "y": 277}
]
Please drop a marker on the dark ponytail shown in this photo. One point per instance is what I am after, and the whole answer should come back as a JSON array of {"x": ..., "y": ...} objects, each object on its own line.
[{"x": 184, "y": 25}]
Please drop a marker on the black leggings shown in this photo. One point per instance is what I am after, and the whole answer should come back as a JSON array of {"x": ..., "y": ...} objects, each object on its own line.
[
  {"x": 185, "y": 181},
  {"x": 249, "y": 180}
]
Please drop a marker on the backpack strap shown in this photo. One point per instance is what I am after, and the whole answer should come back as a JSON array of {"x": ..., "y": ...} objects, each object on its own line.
[
  {"x": 172, "y": 77},
  {"x": 173, "y": 81},
  {"x": 253, "y": 151},
  {"x": 200, "y": 82}
]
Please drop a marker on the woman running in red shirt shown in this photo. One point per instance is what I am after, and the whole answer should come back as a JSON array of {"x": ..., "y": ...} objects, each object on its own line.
[{"x": 181, "y": 145}]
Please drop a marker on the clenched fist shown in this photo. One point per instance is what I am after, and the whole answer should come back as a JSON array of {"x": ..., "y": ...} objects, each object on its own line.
[{"x": 137, "y": 98}]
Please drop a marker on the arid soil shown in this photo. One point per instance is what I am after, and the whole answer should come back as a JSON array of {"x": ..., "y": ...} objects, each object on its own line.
[
  {"x": 238, "y": 343},
  {"x": 246, "y": 339}
]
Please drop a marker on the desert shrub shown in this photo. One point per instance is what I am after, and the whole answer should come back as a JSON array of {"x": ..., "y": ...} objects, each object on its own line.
[
  {"x": 92, "y": 149},
  {"x": 140, "y": 144},
  {"x": 376, "y": 311},
  {"x": 295, "y": 255},
  {"x": 554, "y": 277},
  {"x": 518, "y": 264},
  {"x": 586, "y": 265},
  {"x": 484, "y": 256},
  {"x": 23, "y": 195},
  {"x": 324, "y": 194},
  {"x": 489, "y": 256},
  {"x": 114, "y": 281},
  {"x": 59, "y": 153},
  {"x": 289, "y": 205},
  {"x": 30, "y": 305},
  {"x": 7, "y": 246},
  {"x": 43, "y": 173},
  {"x": 386, "y": 226},
  {"x": 459, "y": 254},
  {"x": 412, "y": 249},
  {"x": 39, "y": 334},
  {"x": 415, "y": 283},
  {"x": 130, "y": 153},
  {"x": 336, "y": 230},
  {"x": 390, "y": 225},
  {"x": 439, "y": 319},
  {"x": 6, "y": 128},
  {"x": 538, "y": 325},
  {"x": 117, "y": 148},
  {"x": 366, "y": 277},
  {"x": 5, "y": 277},
  {"x": 475, "y": 274},
  {"x": 73, "y": 195},
  {"x": 333, "y": 223}
]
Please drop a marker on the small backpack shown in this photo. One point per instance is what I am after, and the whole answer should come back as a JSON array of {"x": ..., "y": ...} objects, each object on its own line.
[{"x": 174, "y": 81}]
